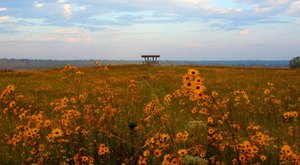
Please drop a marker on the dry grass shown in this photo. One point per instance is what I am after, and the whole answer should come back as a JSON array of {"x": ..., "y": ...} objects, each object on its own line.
[{"x": 137, "y": 114}]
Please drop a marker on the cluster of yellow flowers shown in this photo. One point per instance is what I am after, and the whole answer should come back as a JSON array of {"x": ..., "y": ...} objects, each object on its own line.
[
  {"x": 193, "y": 85},
  {"x": 290, "y": 114},
  {"x": 55, "y": 133},
  {"x": 71, "y": 72},
  {"x": 69, "y": 67},
  {"x": 167, "y": 99},
  {"x": 80, "y": 159},
  {"x": 28, "y": 133},
  {"x": 152, "y": 110},
  {"x": 9, "y": 89},
  {"x": 239, "y": 95},
  {"x": 247, "y": 151},
  {"x": 170, "y": 160},
  {"x": 253, "y": 126},
  {"x": 102, "y": 149},
  {"x": 143, "y": 160},
  {"x": 288, "y": 155},
  {"x": 158, "y": 141},
  {"x": 182, "y": 136},
  {"x": 262, "y": 139}
]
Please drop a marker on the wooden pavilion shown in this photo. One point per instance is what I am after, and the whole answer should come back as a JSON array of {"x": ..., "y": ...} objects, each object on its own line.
[{"x": 150, "y": 59}]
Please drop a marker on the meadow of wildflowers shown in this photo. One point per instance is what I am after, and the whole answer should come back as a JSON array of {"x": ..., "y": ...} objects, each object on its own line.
[{"x": 138, "y": 114}]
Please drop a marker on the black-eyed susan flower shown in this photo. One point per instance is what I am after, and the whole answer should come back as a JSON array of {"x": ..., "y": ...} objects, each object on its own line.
[
  {"x": 234, "y": 161},
  {"x": 12, "y": 104},
  {"x": 174, "y": 161},
  {"x": 167, "y": 157},
  {"x": 237, "y": 98},
  {"x": 202, "y": 154},
  {"x": 41, "y": 147},
  {"x": 182, "y": 152},
  {"x": 57, "y": 132},
  {"x": 84, "y": 158},
  {"x": 50, "y": 138},
  {"x": 286, "y": 149},
  {"x": 146, "y": 153},
  {"x": 22, "y": 116},
  {"x": 194, "y": 110},
  {"x": 242, "y": 158},
  {"x": 165, "y": 137},
  {"x": 267, "y": 91},
  {"x": 193, "y": 72},
  {"x": 187, "y": 78},
  {"x": 157, "y": 153},
  {"x": 263, "y": 157},
  {"x": 210, "y": 120}
]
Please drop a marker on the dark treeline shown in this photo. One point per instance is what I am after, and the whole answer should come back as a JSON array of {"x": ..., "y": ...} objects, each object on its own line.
[
  {"x": 246, "y": 63},
  {"x": 16, "y": 64},
  {"x": 20, "y": 64},
  {"x": 37, "y": 64}
]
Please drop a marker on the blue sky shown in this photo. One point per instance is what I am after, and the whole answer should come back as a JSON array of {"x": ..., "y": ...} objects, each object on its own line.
[{"x": 175, "y": 29}]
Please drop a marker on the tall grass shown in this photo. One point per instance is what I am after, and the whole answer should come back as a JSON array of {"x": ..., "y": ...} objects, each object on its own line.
[{"x": 140, "y": 114}]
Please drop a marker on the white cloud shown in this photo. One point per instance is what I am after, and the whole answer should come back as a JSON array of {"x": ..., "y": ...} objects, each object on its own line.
[
  {"x": 264, "y": 6},
  {"x": 3, "y": 9},
  {"x": 194, "y": 3},
  {"x": 244, "y": 32},
  {"x": 60, "y": 1},
  {"x": 195, "y": 44},
  {"x": 71, "y": 35},
  {"x": 263, "y": 9},
  {"x": 67, "y": 9},
  {"x": 69, "y": 31},
  {"x": 191, "y": 2},
  {"x": 207, "y": 6},
  {"x": 82, "y": 8},
  {"x": 38, "y": 5},
  {"x": 278, "y": 2},
  {"x": 4, "y": 18},
  {"x": 298, "y": 21},
  {"x": 295, "y": 7}
]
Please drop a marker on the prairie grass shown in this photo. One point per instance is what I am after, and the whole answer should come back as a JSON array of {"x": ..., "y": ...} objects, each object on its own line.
[{"x": 138, "y": 114}]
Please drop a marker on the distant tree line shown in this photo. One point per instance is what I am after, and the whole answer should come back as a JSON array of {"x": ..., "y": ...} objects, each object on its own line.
[
  {"x": 19, "y": 64},
  {"x": 8, "y": 64},
  {"x": 295, "y": 63}
]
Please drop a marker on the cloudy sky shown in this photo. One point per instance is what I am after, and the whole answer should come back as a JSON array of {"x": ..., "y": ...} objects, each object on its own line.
[{"x": 175, "y": 29}]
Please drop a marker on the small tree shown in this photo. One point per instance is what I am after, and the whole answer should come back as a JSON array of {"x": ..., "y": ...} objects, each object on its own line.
[{"x": 295, "y": 62}]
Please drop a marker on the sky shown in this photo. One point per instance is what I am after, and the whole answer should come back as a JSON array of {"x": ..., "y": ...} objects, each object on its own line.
[{"x": 126, "y": 29}]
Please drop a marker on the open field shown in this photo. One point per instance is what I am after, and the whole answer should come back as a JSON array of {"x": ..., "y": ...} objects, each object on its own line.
[{"x": 137, "y": 114}]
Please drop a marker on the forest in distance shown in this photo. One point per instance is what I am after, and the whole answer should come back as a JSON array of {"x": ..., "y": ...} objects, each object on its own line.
[{"x": 19, "y": 64}]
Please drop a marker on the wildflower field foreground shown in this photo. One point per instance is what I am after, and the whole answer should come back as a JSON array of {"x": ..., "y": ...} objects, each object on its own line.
[{"x": 137, "y": 114}]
